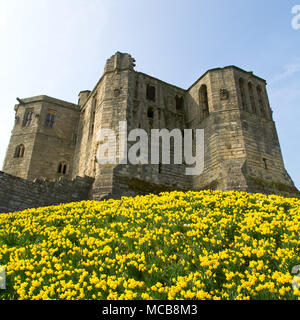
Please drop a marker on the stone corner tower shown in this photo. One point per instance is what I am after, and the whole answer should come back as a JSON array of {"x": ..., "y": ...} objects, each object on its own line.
[
  {"x": 43, "y": 139},
  {"x": 242, "y": 150},
  {"x": 102, "y": 108}
]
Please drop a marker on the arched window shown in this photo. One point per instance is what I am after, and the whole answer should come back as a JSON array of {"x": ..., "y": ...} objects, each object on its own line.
[
  {"x": 261, "y": 101},
  {"x": 19, "y": 152},
  {"x": 243, "y": 95},
  {"x": 28, "y": 117},
  {"x": 62, "y": 168},
  {"x": 252, "y": 99},
  {"x": 203, "y": 101}
]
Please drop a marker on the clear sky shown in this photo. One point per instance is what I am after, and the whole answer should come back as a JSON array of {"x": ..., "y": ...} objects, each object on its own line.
[{"x": 59, "y": 47}]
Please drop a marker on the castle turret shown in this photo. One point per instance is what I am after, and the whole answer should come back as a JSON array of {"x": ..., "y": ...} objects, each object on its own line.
[
  {"x": 82, "y": 97},
  {"x": 105, "y": 106}
]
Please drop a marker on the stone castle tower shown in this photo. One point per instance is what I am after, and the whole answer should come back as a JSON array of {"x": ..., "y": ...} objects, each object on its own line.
[{"x": 53, "y": 138}]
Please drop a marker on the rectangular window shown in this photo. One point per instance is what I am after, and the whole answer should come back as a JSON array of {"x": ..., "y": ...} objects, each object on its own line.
[
  {"x": 150, "y": 94},
  {"x": 50, "y": 118},
  {"x": 28, "y": 117}
]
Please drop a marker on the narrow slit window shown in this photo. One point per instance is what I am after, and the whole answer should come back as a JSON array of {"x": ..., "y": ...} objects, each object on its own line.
[
  {"x": 265, "y": 163},
  {"x": 62, "y": 168},
  {"x": 252, "y": 99},
  {"x": 203, "y": 97},
  {"x": 243, "y": 95},
  {"x": 93, "y": 123},
  {"x": 93, "y": 114},
  {"x": 159, "y": 168},
  {"x": 150, "y": 113}
]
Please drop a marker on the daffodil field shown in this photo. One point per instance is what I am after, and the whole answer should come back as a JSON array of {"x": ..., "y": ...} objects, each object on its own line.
[{"x": 193, "y": 245}]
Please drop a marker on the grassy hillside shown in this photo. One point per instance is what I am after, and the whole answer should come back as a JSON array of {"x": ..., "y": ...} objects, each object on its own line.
[{"x": 194, "y": 245}]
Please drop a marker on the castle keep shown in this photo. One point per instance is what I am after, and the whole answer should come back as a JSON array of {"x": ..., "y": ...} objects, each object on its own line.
[{"x": 53, "y": 144}]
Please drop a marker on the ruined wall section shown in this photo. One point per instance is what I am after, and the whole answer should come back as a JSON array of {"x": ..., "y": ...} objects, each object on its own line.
[
  {"x": 152, "y": 105},
  {"x": 19, "y": 194},
  {"x": 84, "y": 160}
]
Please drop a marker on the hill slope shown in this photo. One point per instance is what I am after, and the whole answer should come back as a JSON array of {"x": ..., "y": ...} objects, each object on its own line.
[{"x": 194, "y": 245}]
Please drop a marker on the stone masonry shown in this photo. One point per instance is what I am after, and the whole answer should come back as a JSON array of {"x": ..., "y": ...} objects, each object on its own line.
[
  {"x": 19, "y": 194},
  {"x": 53, "y": 138}
]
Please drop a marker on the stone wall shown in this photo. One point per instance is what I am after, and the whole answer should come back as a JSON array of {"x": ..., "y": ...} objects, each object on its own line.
[
  {"x": 19, "y": 194},
  {"x": 162, "y": 112},
  {"x": 121, "y": 94}
]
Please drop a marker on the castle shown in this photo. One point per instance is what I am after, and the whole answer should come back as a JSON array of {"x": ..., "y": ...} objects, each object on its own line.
[{"x": 54, "y": 140}]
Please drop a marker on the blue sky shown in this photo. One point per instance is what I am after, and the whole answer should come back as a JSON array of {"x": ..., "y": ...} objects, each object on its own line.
[{"x": 59, "y": 47}]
